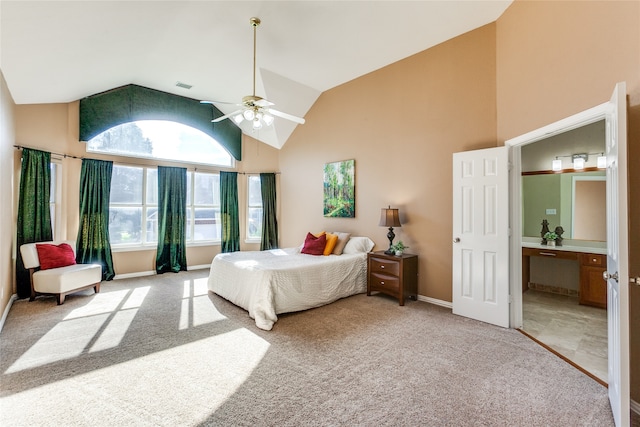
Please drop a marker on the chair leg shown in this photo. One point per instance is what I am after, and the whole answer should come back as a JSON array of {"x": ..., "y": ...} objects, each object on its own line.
[
  {"x": 97, "y": 288},
  {"x": 60, "y": 298}
]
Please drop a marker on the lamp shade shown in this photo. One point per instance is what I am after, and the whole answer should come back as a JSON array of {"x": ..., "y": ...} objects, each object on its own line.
[{"x": 389, "y": 217}]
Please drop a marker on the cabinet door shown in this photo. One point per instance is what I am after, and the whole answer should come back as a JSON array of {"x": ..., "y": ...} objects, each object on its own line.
[{"x": 593, "y": 288}]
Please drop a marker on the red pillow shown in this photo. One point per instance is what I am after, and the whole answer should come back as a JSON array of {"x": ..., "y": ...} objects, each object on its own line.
[
  {"x": 52, "y": 256},
  {"x": 314, "y": 245}
]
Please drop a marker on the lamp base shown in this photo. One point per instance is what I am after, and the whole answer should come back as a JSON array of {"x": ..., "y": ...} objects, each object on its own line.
[
  {"x": 389, "y": 252},
  {"x": 390, "y": 235}
]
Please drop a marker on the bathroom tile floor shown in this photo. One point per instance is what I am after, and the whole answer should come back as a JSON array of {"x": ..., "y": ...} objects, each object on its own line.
[{"x": 578, "y": 332}]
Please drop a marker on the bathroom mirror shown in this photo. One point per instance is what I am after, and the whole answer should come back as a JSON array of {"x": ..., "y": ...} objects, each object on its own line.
[{"x": 572, "y": 199}]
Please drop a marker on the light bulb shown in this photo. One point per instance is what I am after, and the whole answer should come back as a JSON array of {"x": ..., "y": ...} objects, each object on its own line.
[
  {"x": 602, "y": 162},
  {"x": 249, "y": 114}
]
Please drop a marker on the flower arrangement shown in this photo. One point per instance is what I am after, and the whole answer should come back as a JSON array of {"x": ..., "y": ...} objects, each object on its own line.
[
  {"x": 550, "y": 235},
  {"x": 399, "y": 247}
]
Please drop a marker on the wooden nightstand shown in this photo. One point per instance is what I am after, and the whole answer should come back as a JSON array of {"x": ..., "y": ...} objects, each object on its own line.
[{"x": 393, "y": 275}]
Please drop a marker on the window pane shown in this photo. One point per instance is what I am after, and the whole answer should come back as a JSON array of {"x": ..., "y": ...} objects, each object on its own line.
[
  {"x": 189, "y": 183},
  {"x": 125, "y": 225},
  {"x": 152, "y": 186},
  {"x": 255, "y": 196},
  {"x": 152, "y": 224},
  {"x": 207, "y": 224},
  {"x": 161, "y": 139},
  {"x": 255, "y": 223},
  {"x": 126, "y": 185},
  {"x": 207, "y": 186}
]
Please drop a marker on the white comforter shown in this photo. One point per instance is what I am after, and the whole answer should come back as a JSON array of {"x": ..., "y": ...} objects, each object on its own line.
[{"x": 267, "y": 283}]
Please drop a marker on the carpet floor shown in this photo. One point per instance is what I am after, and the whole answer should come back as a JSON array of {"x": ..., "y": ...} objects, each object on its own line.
[{"x": 162, "y": 351}]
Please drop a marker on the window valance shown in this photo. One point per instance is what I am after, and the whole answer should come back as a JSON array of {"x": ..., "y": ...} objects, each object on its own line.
[{"x": 129, "y": 103}]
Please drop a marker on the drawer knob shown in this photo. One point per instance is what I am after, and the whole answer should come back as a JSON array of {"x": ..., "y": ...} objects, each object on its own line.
[
  {"x": 382, "y": 267},
  {"x": 382, "y": 283}
]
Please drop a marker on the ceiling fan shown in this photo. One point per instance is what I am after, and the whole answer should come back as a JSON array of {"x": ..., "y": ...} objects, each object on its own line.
[{"x": 254, "y": 108}]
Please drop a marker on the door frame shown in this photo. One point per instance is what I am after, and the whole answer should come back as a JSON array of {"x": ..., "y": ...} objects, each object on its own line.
[{"x": 581, "y": 119}]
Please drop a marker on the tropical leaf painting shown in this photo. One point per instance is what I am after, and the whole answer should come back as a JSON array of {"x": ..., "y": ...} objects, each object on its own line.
[{"x": 339, "y": 189}]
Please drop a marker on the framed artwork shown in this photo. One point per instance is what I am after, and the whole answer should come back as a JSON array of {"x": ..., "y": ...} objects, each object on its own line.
[{"x": 340, "y": 189}]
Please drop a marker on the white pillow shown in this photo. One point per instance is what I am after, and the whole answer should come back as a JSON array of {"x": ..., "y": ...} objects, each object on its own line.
[{"x": 358, "y": 244}]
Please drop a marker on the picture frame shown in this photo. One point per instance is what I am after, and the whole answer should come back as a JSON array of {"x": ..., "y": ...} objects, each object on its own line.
[{"x": 339, "y": 189}]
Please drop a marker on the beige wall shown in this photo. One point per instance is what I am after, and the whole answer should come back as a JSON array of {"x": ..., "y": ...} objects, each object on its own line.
[
  {"x": 401, "y": 124},
  {"x": 7, "y": 137},
  {"x": 555, "y": 59}
]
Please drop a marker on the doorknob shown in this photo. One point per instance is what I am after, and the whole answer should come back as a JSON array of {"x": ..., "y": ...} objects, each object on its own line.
[
  {"x": 607, "y": 276},
  {"x": 456, "y": 240}
]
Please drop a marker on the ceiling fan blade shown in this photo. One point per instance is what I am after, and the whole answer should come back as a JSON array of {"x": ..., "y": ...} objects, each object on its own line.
[
  {"x": 218, "y": 102},
  {"x": 263, "y": 103},
  {"x": 287, "y": 116},
  {"x": 226, "y": 116}
]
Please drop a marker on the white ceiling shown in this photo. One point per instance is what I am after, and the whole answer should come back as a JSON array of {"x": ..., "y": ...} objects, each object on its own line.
[{"x": 62, "y": 51}]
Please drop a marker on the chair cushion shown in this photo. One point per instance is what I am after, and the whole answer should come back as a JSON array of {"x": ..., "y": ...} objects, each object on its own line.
[{"x": 65, "y": 279}]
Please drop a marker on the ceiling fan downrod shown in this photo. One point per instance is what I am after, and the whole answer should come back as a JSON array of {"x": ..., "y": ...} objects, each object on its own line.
[{"x": 254, "y": 23}]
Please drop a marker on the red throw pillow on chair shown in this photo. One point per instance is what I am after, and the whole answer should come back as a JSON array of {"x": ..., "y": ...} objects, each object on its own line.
[
  {"x": 54, "y": 256},
  {"x": 314, "y": 245}
]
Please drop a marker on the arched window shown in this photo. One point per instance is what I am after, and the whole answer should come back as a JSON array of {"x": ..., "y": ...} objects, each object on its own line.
[{"x": 161, "y": 139}]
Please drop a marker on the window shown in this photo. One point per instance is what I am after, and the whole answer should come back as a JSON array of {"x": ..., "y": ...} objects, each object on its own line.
[
  {"x": 254, "y": 208},
  {"x": 133, "y": 207},
  {"x": 54, "y": 198},
  {"x": 203, "y": 207},
  {"x": 161, "y": 139}
]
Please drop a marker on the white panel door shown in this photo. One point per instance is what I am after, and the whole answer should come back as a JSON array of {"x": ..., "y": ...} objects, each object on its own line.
[
  {"x": 617, "y": 274},
  {"x": 481, "y": 235}
]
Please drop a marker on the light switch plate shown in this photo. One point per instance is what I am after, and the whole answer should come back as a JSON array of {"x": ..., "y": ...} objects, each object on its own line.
[{"x": 551, "y": 211}]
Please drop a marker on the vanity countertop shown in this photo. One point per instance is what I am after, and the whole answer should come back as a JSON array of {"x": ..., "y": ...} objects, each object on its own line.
[{"x": 568, "y": 245}]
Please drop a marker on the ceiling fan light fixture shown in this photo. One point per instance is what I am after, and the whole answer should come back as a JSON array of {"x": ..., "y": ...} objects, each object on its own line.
[
  {"x": 268, "y": 119},
  {"x": 238, "y": 118},
  {"x": 257, "y": 124},
  {"x": 248, "y": 114}
]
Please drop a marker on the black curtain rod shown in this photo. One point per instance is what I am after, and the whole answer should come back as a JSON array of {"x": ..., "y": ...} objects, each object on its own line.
[{"x": 195, "y": 169}]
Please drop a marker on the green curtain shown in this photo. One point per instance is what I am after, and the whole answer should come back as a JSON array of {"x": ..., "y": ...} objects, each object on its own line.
[
  {"x": 269, "y": 222},
  {"x": 172, "y": 216},
  {"x": 93, "y": 245},
  {"x": 34, "y": 216},
  {"x": 229, "y": 211}
]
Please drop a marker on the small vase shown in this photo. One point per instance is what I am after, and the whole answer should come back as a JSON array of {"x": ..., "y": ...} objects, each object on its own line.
[
  {"x": 551, "y": 242},
  {"x": 398, "y": 253}
]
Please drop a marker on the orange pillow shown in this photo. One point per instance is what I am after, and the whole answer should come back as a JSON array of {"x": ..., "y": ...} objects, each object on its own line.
[{"x": 332, "y": 239}]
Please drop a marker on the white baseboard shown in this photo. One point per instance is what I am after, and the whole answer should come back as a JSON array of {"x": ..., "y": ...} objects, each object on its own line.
[
  {"x": 6, "y": 310},
  {"x": 137, "y": 274},
  {"x": 153, "y": 273},
  {"x": 435, "y": 301},
  {"x": 635, "y": 407}
]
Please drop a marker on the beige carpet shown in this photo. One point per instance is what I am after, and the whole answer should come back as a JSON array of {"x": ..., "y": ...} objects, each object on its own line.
[{"x": 162, "y": 351}]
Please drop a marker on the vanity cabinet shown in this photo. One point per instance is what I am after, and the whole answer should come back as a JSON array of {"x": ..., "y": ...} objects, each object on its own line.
[{"x": 593, "y": 287}]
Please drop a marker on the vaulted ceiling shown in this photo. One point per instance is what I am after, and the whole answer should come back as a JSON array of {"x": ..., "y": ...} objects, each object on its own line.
[{"x": 62, "y": 51}]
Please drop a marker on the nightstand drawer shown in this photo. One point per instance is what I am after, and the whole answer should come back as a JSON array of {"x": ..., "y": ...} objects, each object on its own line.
[
  {"x": 384, "y": 281},
  {"x": 378, "y": 265}
]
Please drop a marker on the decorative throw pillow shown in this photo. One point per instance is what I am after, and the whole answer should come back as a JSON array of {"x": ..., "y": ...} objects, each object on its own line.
[
  {"x": 332, "y": 239},
  {"x": 314, "y": 245},
  {"x": 54, "y": 256},
  {"x": 343, "y": 238}
]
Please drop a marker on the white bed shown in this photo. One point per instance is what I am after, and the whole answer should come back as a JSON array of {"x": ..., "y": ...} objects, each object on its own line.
[{"x": 268, "y": 283}]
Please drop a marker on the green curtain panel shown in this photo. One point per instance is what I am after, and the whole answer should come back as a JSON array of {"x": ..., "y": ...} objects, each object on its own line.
[
  {"x": 172, "y": 217},
  {"x": 129, "y": 103},
  {"x": 34, "y": 216},
  {"x": 229, "y": 211},
  {"x": 93, "y": 245},
  {"x": 269, "y": 222}
]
